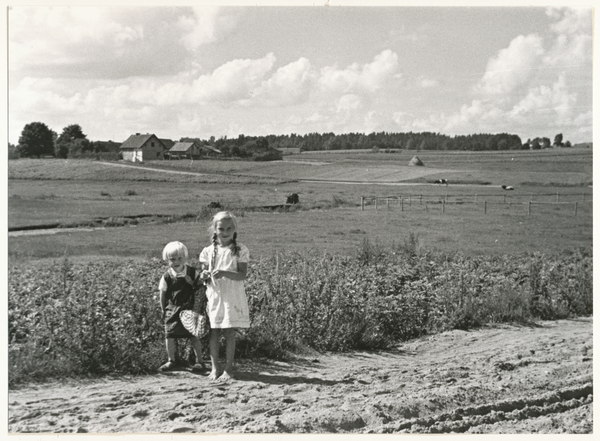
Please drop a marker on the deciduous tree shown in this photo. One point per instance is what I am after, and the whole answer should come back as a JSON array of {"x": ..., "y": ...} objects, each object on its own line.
[
  {"x": 36, "y": 140},
  {"x": 72, "y": 141}
]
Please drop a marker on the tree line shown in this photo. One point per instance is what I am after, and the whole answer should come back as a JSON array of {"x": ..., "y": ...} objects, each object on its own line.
[{"x": 37, "y": 139}]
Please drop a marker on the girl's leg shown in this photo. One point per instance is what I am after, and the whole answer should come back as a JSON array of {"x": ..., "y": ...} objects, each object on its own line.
[
  {"x": 214, "y": 353},
  {"x": 171, "y": 348},
  {"x": 197, "y": 345},
  {"x": 229, "y": 353}
]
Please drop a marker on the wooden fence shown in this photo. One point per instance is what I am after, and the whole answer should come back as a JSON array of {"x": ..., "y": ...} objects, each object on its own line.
[{"x": 528, "y": 201}]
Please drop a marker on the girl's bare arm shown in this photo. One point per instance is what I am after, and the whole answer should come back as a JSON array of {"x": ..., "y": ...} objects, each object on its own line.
[{"x": 240, "y": 274}]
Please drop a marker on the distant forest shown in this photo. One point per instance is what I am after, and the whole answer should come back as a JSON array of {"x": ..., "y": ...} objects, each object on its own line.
[
  {"x": 38, "y": 140},
  {"x": 379, "y": 141}
]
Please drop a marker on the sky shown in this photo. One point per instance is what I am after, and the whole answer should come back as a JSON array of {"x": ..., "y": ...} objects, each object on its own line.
[{"x": 207, "y": 71}]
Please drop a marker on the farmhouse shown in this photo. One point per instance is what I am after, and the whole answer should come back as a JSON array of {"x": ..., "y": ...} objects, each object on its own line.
[{"x": 140, "y": 148}]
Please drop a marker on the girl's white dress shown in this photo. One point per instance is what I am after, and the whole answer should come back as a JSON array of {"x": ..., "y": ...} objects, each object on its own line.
[{"x": 227, "y": 303}]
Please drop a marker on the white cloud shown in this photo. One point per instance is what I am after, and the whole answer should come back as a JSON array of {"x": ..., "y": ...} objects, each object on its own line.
[
  {"x": 233, "y": 81},
  {"x": 355, "y": 79},
  {"x": 55, "y": 35},
  {"x": 512, "y": 66},
  {"x": 205, "y": 25},
  {"x": 573, "y": 20},
  {"x": 290, "y": 84},
  {"x": 348, "y": 103},
  {"x": 108, "y": 42},
  {"x": 554, "y": 98},
  {"x": 427, "y": 83}
]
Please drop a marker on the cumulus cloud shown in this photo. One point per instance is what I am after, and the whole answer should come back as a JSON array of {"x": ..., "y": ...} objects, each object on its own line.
[
  {"x": 106, "y": 42},
  {"x": 355, "y": 78},
  {"x": 513, "y": 65},
  {"x": 290, "y": 84},
  {"x": 554, "y": 99},
  {"x": 573, "y": 20},
  {"x": 233, "y": 81}
]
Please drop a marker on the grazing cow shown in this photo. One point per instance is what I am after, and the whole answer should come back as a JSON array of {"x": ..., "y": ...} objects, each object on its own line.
[
  {"x": 507, "y": 187},
  {"x": 442, "y": 181},
  {"x": 293, "y": 199}
]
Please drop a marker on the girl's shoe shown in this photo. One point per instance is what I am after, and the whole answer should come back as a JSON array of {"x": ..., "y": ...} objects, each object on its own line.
[
  {"x": 168, "y": 366},
  {"x": 198, "y": 367}
]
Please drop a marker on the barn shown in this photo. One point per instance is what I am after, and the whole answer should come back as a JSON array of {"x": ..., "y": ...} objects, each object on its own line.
[
  {"x": 187, "y": 150},
  {"x": 142, "y": 147}
]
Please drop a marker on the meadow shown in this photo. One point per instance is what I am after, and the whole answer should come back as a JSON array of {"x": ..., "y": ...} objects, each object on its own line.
[{"x": 89, "y": 295}]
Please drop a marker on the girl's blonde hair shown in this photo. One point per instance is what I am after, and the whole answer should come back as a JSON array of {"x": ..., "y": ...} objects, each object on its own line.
[
  {"x": 212, "y": 229},
  {"x": 173, "y": 249}
]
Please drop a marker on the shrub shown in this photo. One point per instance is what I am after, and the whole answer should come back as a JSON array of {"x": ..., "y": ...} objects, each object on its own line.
[{"x": 76, "y": 318}]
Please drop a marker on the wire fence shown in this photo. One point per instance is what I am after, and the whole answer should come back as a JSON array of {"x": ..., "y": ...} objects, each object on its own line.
[{"x": 529, "y": 202}]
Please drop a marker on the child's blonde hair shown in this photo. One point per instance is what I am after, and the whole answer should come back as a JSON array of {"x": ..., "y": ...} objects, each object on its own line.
[
  {"x": 212, "y": 229},
  {"x": 173, "y": 249}
]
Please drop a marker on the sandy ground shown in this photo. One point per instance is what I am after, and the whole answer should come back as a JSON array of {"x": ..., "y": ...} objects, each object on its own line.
[{"x": 499, "y": 380}]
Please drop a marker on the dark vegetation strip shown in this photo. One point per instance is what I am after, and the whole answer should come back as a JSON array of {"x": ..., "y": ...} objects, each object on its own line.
[{"x": 72, "y": 318}]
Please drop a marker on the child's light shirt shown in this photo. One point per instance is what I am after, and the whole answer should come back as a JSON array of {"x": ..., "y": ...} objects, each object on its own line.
[{"x": 227, "y": 303}]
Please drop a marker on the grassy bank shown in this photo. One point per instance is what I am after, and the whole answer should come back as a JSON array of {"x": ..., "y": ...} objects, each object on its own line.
[{"x": 97, "y": 317}]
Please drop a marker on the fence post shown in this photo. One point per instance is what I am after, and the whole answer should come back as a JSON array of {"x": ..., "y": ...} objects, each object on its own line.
[
  {"x": 484, "y": 207},
  {"x": 529, "y": 208},
  {"x": 443, "y": 206},
  {"x": 505, "y": 199},
  {"x": 401, "y": 203},
  {"x": 575, "y": 208},
  {"x": 375, "y": 202},
  {"x": 475, "y": 197},
  {"x": 387, "y": 201},
  {"x": 420, "y": 199},
  {"x": 409, "y": 200},
  {"x": 362, "y": 203}
]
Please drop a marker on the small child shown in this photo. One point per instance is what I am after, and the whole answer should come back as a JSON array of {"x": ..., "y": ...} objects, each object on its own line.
[
  {"x": 177, "y": 287},
  {"x": 224, "y": 267}
]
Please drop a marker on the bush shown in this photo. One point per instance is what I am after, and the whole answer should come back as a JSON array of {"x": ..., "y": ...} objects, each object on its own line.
[{"x": 67, "y": 318}]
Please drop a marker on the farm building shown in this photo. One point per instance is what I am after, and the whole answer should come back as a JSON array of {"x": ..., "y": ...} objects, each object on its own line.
[
  {"x": 168, "y": 143},
  {"x": 209, "y": 150},
  {"x": 138, "y": 148},
  {"x": 184, "y": 150},
  {"x": 191, "y": 150}
]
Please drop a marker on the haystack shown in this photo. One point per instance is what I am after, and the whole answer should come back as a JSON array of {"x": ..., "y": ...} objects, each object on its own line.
[{"x": 415, "y": 161}]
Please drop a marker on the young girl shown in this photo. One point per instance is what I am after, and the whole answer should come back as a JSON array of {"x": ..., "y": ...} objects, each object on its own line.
[
  {"x": 177, "y": 287},
  {"x": 224, "y": 265}
]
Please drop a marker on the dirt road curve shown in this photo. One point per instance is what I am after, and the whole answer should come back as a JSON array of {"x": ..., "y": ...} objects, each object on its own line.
[{"x": 497, "y": 380}]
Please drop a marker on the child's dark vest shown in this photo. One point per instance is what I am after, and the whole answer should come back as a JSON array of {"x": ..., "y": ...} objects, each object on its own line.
[{"x": 181, "y": 293}]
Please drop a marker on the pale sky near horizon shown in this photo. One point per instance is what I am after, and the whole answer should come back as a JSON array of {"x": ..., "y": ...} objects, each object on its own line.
[{"x": 224, "y": 71}]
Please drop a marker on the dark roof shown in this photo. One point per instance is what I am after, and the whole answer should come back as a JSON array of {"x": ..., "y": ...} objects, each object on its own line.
[
  {"x": 137, "y": 141},
  {"x": 181, "y": 146},
  {"x": 168, "y": 143}
]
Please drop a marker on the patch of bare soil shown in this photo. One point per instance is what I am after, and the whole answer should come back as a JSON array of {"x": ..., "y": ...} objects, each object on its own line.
[{"x": 504, "y": 379}]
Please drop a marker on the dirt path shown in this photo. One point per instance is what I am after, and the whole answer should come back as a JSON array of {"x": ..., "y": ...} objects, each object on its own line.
[{"x": 497, "y": 380}]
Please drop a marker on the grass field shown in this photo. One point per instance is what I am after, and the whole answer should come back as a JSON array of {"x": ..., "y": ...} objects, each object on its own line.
[
  {"x": 328, "y": 219},
  {"x": 325, "y": 274}
]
